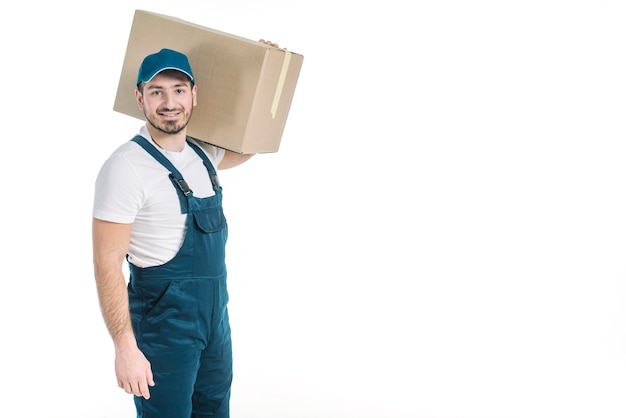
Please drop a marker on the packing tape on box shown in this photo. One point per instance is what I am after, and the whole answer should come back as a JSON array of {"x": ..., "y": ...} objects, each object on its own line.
[{"x": 281, "y": 83}]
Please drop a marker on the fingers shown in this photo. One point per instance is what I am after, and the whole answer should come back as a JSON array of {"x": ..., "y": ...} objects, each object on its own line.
[
  {"x": 143, "y": 389},
  {"x": 134, "y": 373},
  {"x": 136, "y": 388},
  {"x": 269, "y": 43},
  {"x": 150, "y": 378},
  {"x": 139, "y": 388}
]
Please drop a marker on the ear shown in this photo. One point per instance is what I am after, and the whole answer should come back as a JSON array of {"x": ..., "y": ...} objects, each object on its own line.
[
  {"x": 194, "y": 94},
  {"x": 139, "y": 99}
]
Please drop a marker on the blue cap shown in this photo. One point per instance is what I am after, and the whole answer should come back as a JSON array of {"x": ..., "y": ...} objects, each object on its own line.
[{"x": 165, "y": 59}]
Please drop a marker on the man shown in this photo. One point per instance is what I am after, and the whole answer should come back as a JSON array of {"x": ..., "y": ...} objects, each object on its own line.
[{"x": 158, "y": 205}]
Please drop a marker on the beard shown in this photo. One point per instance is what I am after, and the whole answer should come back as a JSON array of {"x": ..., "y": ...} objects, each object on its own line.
[{"x": 169, "y": 127}]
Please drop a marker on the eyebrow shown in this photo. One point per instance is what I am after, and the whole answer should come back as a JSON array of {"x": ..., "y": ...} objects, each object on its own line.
[{"x": 158, "y": 87}]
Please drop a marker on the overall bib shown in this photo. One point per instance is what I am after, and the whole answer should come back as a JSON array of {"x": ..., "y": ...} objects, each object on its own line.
[{"x": 178, "y": 310}]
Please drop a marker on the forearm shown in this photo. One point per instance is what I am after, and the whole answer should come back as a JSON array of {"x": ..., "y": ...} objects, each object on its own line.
[
  {"x": 132, "y": 369},
  {"x": 233, "y": 159},
  {"x": 113, "y": 298},
  {"x": 110, "y": 244}
]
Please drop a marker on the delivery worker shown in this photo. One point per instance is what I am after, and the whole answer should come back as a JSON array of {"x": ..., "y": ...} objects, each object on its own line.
[{"x": 158, "y": 204}]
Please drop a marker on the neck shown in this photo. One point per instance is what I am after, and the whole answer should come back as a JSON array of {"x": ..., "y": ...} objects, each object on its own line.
[{"x": 169, "y": 142}]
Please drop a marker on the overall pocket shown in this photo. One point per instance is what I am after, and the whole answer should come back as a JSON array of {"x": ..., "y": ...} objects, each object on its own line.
[{"x": 210, "y": 220}]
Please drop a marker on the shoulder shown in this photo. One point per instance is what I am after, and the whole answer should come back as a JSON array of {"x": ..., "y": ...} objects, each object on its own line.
[
  {"x": 215, "y": 154},
  {"x": 127, "y": 165},
  {"x": 123, "y": 182},
  {"x": 130, "y": 154},
  {"x": 221, "y": 158},
  {"x": 128, "y": 150}
]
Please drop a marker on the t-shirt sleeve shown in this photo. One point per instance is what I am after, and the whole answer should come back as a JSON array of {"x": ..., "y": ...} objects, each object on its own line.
[{"x": 118, "y": 193}]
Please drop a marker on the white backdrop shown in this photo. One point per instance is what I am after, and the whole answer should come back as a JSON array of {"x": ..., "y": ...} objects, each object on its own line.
[{"x": 441, "y": 235}]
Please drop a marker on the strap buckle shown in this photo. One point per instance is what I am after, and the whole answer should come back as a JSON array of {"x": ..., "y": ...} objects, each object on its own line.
[{"x": 182, "y": 185}]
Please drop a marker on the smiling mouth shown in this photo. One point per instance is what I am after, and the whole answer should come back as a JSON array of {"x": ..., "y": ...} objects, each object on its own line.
[{"x": 169, "y": 113}]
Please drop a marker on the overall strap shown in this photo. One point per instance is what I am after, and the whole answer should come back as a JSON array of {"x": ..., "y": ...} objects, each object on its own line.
[
  {"x": 209, "y": 166},
  {"x": 175, "y": 176}
]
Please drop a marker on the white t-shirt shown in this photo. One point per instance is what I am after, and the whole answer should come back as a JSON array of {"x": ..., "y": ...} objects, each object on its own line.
[{"x": 133, "y": 187}]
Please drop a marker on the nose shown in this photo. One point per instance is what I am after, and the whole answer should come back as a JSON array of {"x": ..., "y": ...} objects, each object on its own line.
[{"x": 168, "y": 100}]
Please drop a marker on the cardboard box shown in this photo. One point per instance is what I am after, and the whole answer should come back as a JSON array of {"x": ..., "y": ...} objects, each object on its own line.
[{"x": 245, "y": 87}]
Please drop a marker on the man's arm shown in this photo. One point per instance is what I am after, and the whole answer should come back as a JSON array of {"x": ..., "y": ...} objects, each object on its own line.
[
  {"x": 232, "y": 159},
  {"x": 110, "y": 244}
]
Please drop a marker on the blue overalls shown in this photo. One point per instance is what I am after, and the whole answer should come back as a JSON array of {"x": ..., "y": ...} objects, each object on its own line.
[{"x": 178, "y": 310}]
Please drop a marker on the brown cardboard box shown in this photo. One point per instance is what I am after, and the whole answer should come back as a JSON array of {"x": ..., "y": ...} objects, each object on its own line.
[{"x": 245, "y": 87}]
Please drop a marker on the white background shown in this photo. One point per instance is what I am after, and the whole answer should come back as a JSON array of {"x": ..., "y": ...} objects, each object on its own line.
[{"x": 441, "y": 235}]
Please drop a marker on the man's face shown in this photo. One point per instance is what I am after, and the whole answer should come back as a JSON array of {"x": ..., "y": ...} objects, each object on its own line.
[{"x": 167, "y": 102}]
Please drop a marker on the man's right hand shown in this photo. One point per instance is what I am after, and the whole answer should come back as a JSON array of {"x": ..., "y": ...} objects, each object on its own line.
[{"x": 133, "y": 371}]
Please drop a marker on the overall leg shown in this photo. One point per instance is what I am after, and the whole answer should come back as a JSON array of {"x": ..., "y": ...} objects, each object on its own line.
[
  {"x": 166, "y": 324},
  {"x": 211, "y": 396},
  {"x": 174, "y": 377}
]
